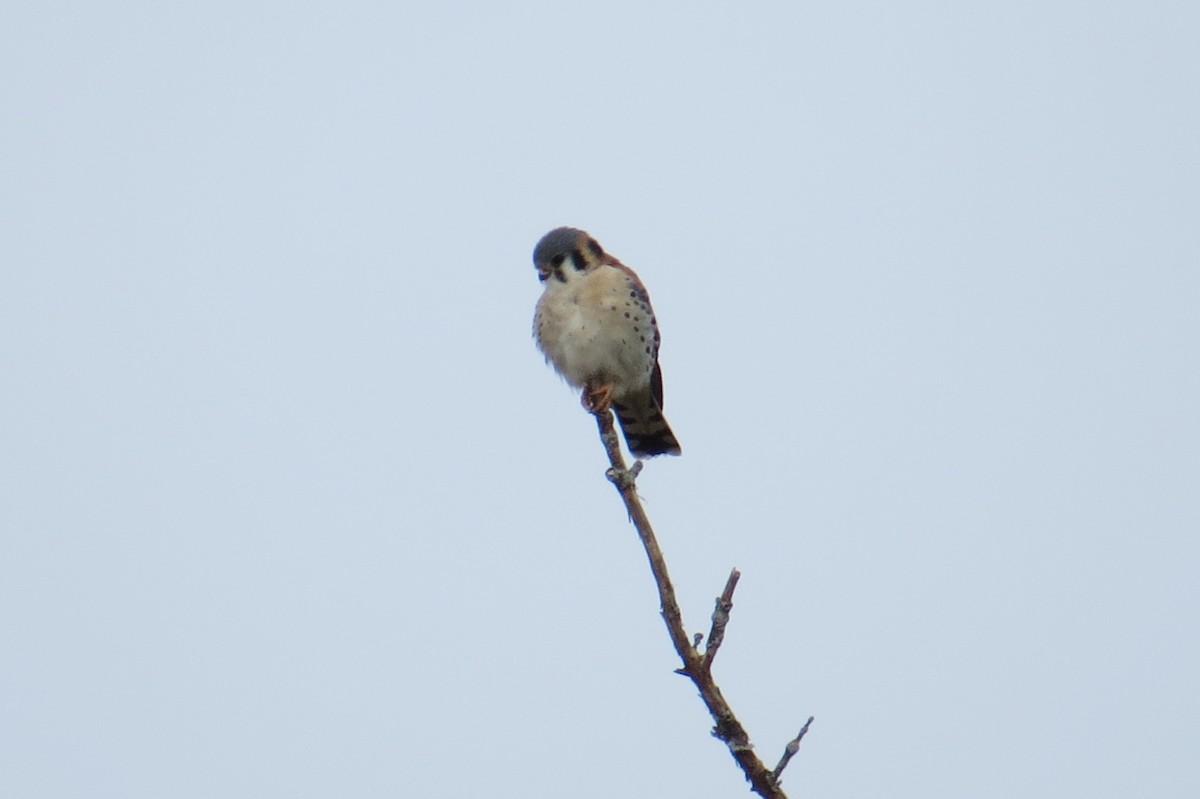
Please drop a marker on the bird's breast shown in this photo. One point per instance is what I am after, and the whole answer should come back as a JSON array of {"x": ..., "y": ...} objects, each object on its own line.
[{"x": 592, "y": 329}]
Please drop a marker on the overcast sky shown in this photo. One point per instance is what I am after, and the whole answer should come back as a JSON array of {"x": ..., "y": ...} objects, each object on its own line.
[{"x": 291, "y": 506}]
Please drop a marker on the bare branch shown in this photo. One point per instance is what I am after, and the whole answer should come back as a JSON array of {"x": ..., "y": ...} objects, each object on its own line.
[
  {"x": 624, "y": 479},
  {"x": 696, "y": 666},
  {"x": 790, "y": 750},
  {"x": 720, "y": 618}
]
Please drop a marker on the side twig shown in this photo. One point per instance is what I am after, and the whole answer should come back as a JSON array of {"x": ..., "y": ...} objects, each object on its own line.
[
  {"x": 791, "y": 749},
  {"x": 720, "y": 618},
  {"x": 697, "y": 665}
]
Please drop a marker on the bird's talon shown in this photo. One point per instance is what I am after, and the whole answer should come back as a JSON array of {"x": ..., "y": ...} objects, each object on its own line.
[{"x": 597, "y": 400}]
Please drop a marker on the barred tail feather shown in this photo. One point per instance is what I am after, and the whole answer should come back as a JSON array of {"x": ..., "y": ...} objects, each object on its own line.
[{"x": 646, "y": 430}]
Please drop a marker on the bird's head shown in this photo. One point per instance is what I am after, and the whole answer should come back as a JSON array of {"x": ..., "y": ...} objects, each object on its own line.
[{"x": 564, "y": 252}]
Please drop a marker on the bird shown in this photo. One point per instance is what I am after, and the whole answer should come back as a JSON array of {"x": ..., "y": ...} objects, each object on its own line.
[{"x": 595, "y": 326}]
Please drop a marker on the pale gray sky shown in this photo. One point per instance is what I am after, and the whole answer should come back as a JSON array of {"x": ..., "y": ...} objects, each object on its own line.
[{"x": 291, "y": 506}]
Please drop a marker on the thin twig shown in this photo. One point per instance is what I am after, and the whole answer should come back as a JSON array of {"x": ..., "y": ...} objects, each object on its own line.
[
  {"x": 696, "y": 666},
  {"x": 790, "y": 750},
  {"x": 720, "y": 618},
  {"x": 624, "y": 479}
]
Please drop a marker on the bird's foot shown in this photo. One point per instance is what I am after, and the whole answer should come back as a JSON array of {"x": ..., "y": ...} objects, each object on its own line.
[{"x": 597, "y": 399}]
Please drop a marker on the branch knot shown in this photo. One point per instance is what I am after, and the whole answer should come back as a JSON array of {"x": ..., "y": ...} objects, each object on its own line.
[{"x": 624, "y": 479}]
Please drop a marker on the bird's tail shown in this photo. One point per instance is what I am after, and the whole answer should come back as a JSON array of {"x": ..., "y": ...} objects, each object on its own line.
[{"x": 646, "y": 430}]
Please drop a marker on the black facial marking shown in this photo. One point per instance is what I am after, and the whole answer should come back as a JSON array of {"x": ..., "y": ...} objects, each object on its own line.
[
  {"x": 557, "y": 260},
  {"x": 578, "y": 259},
  {"x": 595, "y": 247}
]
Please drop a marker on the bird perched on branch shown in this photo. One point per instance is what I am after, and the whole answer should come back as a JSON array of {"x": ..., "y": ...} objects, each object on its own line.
[{"x": 595, "y": 325}]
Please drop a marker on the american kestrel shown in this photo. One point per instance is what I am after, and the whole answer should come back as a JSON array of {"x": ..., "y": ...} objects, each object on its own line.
[{"x": 595, "y": 325}]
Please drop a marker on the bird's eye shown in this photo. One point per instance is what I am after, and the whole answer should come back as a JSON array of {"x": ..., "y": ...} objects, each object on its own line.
[{"x": 557, "y": 260}]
